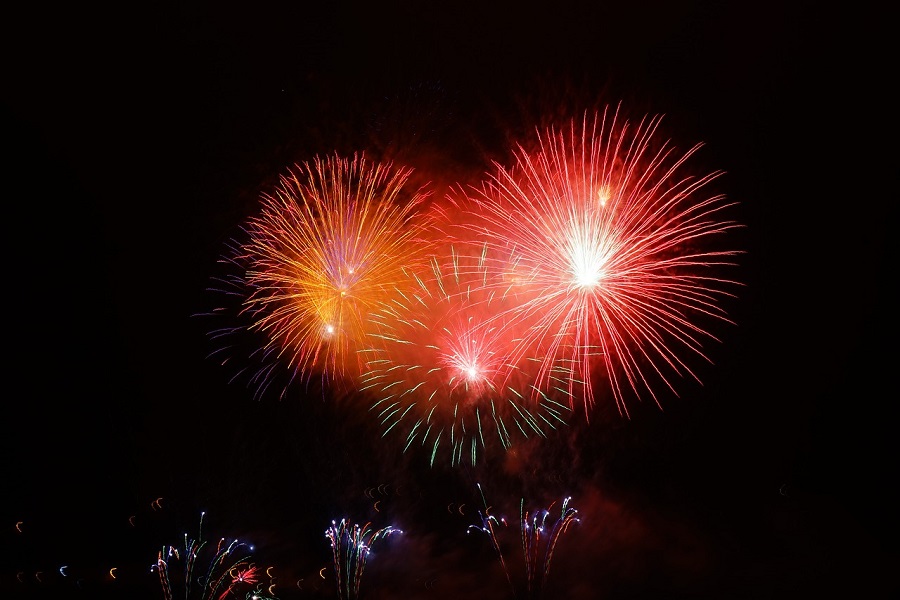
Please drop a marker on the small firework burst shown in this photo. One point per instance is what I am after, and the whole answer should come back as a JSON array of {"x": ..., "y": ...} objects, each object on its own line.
[{"x": 439, "y": 365}]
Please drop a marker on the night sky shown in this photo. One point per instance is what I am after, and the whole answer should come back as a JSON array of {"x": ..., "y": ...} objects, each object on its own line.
[{"x": 138, "y": 142}]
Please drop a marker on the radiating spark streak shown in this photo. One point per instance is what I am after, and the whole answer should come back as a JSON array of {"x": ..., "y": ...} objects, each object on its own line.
[
  {"x": 240, "y": 575},
  {"x": 615, "y": 252},
  {"x": 19, "y": 526}
]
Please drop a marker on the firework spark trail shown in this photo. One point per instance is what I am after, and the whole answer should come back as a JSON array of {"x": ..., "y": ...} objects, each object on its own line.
[
  {"x": 350, "y": 547},
  {"x": 439, "y": 368},
  {"x": 539, "y": 541},
  {"x": 220, "y": 568},
  {"x": 488, "y": 526},
  {"x": 533, "y": 528},
  {"x": 325, "y": 246},
  {"x": 617, "y": 247},
  {"x": 162, "y": 569}
]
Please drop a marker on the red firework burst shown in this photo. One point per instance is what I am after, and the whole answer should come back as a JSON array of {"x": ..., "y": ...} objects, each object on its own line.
[
  {"x": 439, "y": 366},
  {"x": 615, "y": 247}
]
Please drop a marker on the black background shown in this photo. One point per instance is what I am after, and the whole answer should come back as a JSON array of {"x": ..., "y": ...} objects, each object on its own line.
[{"x": 136, "y": 143}]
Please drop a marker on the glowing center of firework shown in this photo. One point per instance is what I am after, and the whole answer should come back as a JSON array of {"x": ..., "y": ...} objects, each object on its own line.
[
  {"x": 586, "y": 263},
  {"x": 466, "y": 366},
  {"x": 328, "y": 329},
  {"x": 585, "y": 252}
]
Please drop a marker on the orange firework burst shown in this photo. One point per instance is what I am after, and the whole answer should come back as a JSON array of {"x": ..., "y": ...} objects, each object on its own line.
[
  {"x": 440, "y": 369},
  {"x": 327, "y": 245},
  {"x": 614, "y": 246}
]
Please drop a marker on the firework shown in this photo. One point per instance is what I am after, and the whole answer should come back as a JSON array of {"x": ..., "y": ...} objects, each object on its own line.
[
  {"x": 229, "y": 568},
  {"x": 439, "y": 365},
  {"x": 350, "y": 547},
  {"x": 489, "y": 525},
  {"x": 326, "y": 245},
  {"x": 615, "y": 248},
  {"x": 539, "y": 539}
]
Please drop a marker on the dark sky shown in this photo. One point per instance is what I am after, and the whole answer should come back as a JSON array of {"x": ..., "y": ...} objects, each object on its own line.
[{"x": 137, "y": 143}]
